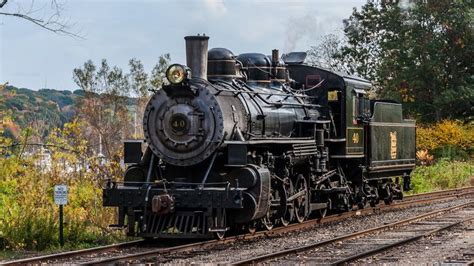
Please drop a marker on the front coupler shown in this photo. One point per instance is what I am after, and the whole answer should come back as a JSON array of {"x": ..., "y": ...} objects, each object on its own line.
[{"x": 171, "y": 211}]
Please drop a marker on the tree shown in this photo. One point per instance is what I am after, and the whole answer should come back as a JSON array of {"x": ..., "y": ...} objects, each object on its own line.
[
  {"x": 5, "y": 119},
  {"x": 158, "y": 73},
  {"x": 51, "y": 18},
  {"x": 113, "y": 99},
  {"x": 327, "y": 54},
  {"x": 419, "y": 54},
  {"x": 104, "y": 105},
  {"x": 142, "y": 85}
]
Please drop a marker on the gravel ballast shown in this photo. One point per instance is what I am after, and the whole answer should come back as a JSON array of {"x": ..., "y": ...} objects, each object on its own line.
[{"x": 251, "y": 248}]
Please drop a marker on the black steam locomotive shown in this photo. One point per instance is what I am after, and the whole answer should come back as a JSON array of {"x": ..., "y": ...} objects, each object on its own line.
[{"x": 255, "y": 141}]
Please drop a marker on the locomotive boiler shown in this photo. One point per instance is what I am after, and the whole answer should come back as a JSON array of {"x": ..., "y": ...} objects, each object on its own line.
[{"x": 253, "y": 141}]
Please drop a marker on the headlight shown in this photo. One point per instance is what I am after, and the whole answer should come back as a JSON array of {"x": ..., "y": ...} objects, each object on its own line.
[{"x": 176, "y": 73}]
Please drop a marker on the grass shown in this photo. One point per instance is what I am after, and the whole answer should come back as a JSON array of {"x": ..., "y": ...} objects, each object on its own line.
[
  {"x": 9, "y": 254},
  {"x": 444, "y": 174}
]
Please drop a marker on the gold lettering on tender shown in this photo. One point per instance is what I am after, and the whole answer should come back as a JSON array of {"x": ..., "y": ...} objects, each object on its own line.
[
  {"x": 355, "y": 138},
  {"x": 393, "y": 145}
]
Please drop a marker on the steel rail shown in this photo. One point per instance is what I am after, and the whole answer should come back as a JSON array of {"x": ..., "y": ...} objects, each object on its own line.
[
  {"x": 276, "y": 231},
  {"x": 283, "y": 253},
  {"x": 68, "y": 254},
  {"x": 411, "y": 200},
  {"x": 440, "y": 192},
  {"x": 398, "y": 243}
]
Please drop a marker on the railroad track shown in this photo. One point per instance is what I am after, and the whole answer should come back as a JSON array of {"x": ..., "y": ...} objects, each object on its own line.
[
  {"x": 74, "y": 253},
  {"x": 351, "y": 247},
  {"x": 441, "y": 193},
  {"x": 122, "y": 252},
  {"x": 87, "y": 254}
]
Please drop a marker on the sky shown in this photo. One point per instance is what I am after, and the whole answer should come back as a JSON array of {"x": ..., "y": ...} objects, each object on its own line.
[{"x": 119, "y": 30}]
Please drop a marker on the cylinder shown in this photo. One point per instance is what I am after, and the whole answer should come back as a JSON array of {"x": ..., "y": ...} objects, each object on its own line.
[{"x": 196, "y": 55}]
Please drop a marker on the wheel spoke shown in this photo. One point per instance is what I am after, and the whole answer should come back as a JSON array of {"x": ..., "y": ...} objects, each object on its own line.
[
  {"x": 301, "y": 203},
  {"x": 289, "y": 214}
]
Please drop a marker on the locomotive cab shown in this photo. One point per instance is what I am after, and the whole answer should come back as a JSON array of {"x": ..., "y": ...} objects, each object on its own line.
[{"x": 343, "y": 100}]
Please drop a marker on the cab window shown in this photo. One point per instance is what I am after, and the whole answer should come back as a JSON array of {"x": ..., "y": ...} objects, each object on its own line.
[{"x": 360, "y": 105}]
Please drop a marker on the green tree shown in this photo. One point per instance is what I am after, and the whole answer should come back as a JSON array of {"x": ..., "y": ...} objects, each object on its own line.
[
  {"x": 419, "y": 53},
  {"x": 104, "y": 105},
  {"x": 157, "y": 78},
  {"x": 142, "y": 85}
]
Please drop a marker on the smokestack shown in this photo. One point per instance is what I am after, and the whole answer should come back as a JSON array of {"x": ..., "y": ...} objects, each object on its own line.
[{"x": 196, "y": 55}]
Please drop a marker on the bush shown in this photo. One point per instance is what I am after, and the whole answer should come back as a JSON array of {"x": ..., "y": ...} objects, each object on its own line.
[
  {"x": 444, "y": 174},
  {"x": 28, "y": 215},
  {"x": 446, "y": 139}
]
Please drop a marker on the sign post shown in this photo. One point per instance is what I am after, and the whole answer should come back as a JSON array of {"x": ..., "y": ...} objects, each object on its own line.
[
  {"x": 60, "y": 198},
  {"x": 61, "y": 229}
]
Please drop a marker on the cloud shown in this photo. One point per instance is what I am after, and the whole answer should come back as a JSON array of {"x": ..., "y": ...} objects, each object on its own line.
[{"x": 216, "y": 7}]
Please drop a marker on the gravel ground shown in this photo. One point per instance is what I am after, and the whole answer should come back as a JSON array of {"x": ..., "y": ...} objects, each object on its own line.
[
  {"x": 245, "y": 249},
  {"x": 451, "y": 246},
  {"x": 347, "y": 248}
]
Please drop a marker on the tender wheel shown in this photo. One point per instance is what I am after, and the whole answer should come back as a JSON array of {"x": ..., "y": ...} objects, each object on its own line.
[
  {"x": 289, "y": 214},
  {"x": 389, "y": 196},
  {"x": 374, "y": 197},
  {"x": 301, "y": 203}
]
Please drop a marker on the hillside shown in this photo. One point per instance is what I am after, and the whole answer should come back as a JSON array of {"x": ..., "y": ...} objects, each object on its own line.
[{"x": 43, "y": 110}]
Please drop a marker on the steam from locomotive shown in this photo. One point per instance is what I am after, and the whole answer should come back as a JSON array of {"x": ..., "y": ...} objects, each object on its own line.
[{"x": 255, "y": 141}]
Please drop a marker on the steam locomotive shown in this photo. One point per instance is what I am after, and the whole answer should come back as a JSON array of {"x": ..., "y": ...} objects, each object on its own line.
[{"x": 252, "y": 141}]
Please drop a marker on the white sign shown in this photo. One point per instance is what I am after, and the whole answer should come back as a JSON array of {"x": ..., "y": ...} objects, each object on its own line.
[{"x": 60, "y": 194}]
